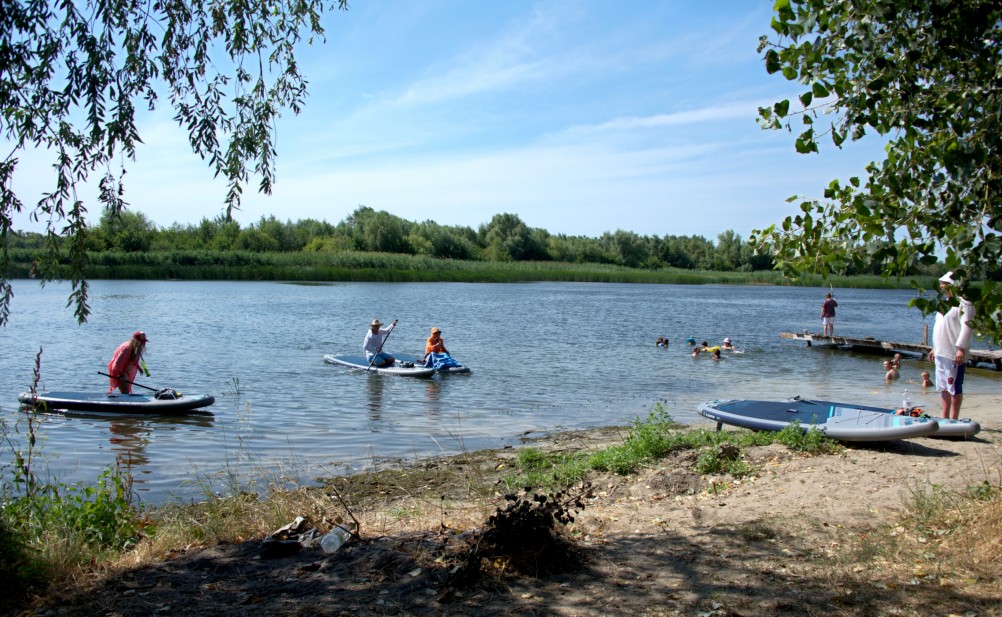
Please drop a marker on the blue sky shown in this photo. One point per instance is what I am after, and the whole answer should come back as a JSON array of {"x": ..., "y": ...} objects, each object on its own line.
[{"x": 580, "y": 117}]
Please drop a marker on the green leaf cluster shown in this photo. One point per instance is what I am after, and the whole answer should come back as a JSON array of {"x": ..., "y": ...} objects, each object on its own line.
[
  {"x": 74, "y": 73},
  {"x": 924, "y": 78}
]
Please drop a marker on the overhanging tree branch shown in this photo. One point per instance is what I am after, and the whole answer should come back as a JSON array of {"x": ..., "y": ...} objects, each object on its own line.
[{"x": 71, "y": 74}]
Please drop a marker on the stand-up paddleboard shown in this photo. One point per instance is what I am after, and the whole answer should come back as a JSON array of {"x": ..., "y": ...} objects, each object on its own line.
[
  {"x": 359, "y": 362},
  {"x": 840, "y": 421},
  {"x": 946, "y": 428},
  {"x": 965, "y": 427},
  {"x": 444, "y": 370},
  {"x": 165, "y": 401}
]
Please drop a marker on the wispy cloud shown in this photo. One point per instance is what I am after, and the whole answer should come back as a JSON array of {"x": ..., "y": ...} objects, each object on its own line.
[
  {"x": 514, "y": 57},
  {"x": 729, "y": 111}
]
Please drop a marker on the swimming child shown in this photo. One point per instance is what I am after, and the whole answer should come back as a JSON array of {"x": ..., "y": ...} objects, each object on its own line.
[
  {"x": 891, "y": 372},
  {"x": 727, "y": 344},
  {"x": 926, "y": 382}
]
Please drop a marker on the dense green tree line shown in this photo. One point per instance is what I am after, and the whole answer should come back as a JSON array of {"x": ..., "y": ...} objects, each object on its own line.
[{"x": 506, "y": 238}]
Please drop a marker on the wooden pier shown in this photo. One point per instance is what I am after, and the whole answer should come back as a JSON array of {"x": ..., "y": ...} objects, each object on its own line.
[{"x": 872, "y": 345}]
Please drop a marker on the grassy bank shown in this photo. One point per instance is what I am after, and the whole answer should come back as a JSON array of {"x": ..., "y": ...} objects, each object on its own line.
[
  {"x": 54, "y": 536},
  {"x": 391, "y": 267}
]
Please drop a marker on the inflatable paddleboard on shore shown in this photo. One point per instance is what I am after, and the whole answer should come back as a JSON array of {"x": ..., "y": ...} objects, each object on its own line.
[
  {"x": 841, "y": 421},
  {"x": 946, "y": 427}
]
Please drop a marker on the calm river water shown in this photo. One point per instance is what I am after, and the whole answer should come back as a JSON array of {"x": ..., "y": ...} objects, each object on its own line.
[{"x": 545, "y": 357}]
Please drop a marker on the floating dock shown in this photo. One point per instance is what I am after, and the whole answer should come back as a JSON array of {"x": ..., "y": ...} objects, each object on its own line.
[{"x": 872, "y": 345}]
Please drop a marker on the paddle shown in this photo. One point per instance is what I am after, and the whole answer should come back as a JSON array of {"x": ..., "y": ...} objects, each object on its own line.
[
  {"x": 380, "y": 348},
  {"x": 166, "y": 393}
]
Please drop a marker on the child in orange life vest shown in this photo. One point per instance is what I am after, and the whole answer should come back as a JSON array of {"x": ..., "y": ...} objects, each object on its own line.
[{"x": 434, "y": 344}]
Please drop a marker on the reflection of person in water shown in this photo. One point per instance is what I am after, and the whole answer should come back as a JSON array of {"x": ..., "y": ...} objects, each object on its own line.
[
  {"x": 128, "y": 442},
  {"x": 433, "y": 396},
  {"x": 374, "y": 388}
]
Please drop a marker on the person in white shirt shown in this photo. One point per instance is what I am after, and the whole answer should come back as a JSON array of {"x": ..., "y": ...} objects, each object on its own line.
[
  {"x": 951, "y": 339},
  {"x": 373, "y": 344}
]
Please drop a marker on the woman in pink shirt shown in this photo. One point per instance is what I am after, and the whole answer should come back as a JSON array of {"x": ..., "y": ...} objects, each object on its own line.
[{"x": 126, "y": 363}]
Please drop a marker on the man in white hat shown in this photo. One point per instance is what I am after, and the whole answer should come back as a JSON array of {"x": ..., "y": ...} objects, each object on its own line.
[
  {"x": 373, "y": 344},
  {"x": 951, "y": 338}
]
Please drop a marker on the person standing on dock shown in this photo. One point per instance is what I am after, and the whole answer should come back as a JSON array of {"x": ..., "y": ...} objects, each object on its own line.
[
  {"x": 828, "y": 314},
  {"x": 951, "y": 338}
]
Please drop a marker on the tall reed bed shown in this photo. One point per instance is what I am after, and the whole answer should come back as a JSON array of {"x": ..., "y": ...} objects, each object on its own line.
[{"x": 348, "y": 266}]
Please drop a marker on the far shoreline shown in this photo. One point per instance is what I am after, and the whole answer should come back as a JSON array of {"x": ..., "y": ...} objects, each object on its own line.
[{"x": 352, "y": 266}]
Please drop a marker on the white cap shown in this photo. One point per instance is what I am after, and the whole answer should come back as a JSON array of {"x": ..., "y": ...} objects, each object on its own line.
[{"x": 947, "y": 278}]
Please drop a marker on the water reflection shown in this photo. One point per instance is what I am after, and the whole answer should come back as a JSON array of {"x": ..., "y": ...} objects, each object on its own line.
[
  {"x": 433, "y": 395},
  {"x": 132, "y": 435},
  {"x": 374, "y": 385},
  {"x": 128, "y": 443}
]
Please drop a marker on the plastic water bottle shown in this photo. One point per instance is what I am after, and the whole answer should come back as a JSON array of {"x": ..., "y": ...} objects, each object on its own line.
[
  {"x": 334, "y": 540},
  {"x": 905, "y": 403}
]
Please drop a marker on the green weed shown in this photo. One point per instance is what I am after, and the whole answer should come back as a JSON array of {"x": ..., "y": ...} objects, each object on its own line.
[
  {"x": 725, "y": 458},
  {"x": 654, "y": 438},
  {"x": 985, "y": 491},
  {"x": 811, "y": 441},
  {"x": 648, "y": 440},
  {"x": 540, "y": 469},
  {"x": 51, "y": 527}
]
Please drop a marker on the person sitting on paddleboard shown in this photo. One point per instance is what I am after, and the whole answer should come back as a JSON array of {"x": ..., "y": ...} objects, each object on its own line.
[
  {"x": 434, "y": 344},
  {"x": 126, "y": 362},
  {"x": 373, "y": 344}
]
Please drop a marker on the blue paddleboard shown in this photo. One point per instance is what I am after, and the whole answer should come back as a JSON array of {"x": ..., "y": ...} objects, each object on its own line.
[{"x": 841, "y": 421}]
